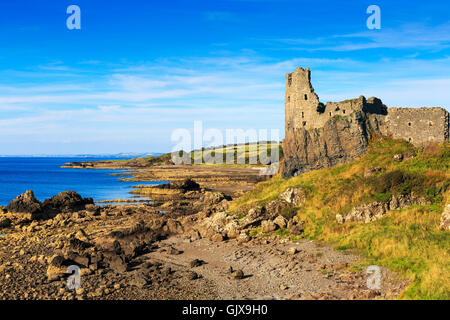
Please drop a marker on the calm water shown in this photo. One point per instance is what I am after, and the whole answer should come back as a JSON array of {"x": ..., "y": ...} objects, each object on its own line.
[{"x": 45, "y": 177}]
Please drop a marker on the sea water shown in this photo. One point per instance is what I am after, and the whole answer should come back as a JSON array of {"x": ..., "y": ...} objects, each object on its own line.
[{"x": 46, "y": 178}]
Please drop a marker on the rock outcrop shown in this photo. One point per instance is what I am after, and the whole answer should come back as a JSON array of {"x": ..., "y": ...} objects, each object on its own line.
[
  {"x": 214, "y": 223},
  {"x": 184, "y": 185},
  {"x": 445, "y": 218},
  {"x": 373, "y": 211},
  {"x": 341, "y": 140},
  {"x": 25, "y": 203},
  {"x": 293, "y": 196},
  {"x": 66, "y": 201},
  {"x": 4, "y": 222}
]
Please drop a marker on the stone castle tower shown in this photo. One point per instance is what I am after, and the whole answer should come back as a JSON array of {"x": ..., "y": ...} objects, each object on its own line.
[
  {"x": 304, "y": 110},
  {"x": 323, "y": 135}
]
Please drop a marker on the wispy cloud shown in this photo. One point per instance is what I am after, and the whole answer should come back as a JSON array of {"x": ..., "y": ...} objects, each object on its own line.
[
  {"x": 225, "y": 92},
  {"x": 416, "y": 36}
]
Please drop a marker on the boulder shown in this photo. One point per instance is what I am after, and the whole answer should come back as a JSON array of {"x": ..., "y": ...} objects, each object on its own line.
[
  {"x": 217, "y": 237},
  {"x": 280, "y": 221},
  {"x": 445, "y": 218},
  {"x": 76, "y": 245},
  {"x": 402, "y": 201},
  {"x": 214, "y": 224},
  {"x": 293, "y": 196},
  {"x": 26, "y": 203},
  {"x": 196, "y": 263},
  {"x": 255, "y": 216},
  {"x": 118, "y": 264},
  {"x": 239, "y": 274},
  {"x": 295, "y": 228},
  {"x": 184, "y": 185},
  {"x": 231, "y": 230},
  {"x": 55, "y": 273},
  {"x": 371, "y": 171},
  {"x": 243, "y": 237},
  {"x": 173, "y": 251},
  {"x": 275, "y": 207},
  {"x": 373, "y": 211},
  {"x": 57, "y": 261},
  {"x": 268, "y": 226},
  {"x": 4, "y": 222},
  {"x": 191, "y": 275},
  {"x": 215, "y": 198},
  {"x": 139, "y": 279},
  {"x": 67, "y": 201}
]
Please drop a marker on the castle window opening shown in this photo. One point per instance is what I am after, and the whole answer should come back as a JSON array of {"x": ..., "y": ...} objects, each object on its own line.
[
  {"x": 303, "y": 114},
  {"x": 330, "y": 114},
  {"x": 289, "y": 80},
  {"x": 430, "y": 124},
  {"x": 343, "y": 111},
  {"x": 304, "y": 123},
  {"x": 306, "y": 97},
  {"x": 289, "y": 98},
  {"x": 409, "y": 124}
]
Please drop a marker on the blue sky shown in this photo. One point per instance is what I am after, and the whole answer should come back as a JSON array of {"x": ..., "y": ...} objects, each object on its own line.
[{"x": 138, "y": 70}]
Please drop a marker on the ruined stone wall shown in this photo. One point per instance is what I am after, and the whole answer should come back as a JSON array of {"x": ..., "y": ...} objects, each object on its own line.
[
  {"x": 322, "y": 135},
  {"x": 417, "y": 125},
  {"x": 304, "y": 110},
  {"x": 301, "y": 102}
]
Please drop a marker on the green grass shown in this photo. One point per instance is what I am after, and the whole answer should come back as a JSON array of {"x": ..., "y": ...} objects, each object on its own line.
[
  {"x": 242, "y": 155},
  {"x": 283, "y": 232},
  {"x": 409, "y": 240}
]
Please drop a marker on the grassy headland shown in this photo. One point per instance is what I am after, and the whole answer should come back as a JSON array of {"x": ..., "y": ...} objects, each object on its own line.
[
  {"x": 408, "y": 240},
  {"x": 234, "y": 155}
]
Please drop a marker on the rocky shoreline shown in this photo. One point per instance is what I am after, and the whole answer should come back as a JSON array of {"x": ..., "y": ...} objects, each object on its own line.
[{"x": 186, "y": 246}]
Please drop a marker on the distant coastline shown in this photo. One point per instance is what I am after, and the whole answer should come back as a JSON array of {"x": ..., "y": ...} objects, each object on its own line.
[{"x": 96, "y": 156}]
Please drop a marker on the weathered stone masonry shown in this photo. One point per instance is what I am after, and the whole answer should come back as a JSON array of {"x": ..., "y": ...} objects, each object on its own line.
[
  {"x": 322, "y": 135},
  {"x": 419, "y": 126}
]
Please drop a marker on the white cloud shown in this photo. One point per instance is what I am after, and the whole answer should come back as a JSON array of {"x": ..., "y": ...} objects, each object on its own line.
[
  {"x": 109, "y": 108},
  {"x": 409, "y": 36},
  {"x": 226, "y": 92}
]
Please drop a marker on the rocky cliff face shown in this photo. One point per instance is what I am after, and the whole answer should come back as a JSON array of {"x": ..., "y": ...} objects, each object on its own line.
[{"x": 340, "y": 140}]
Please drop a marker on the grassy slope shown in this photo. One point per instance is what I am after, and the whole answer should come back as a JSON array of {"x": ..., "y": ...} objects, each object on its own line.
[
  {"x": 407, "y": 240},
  {"x": 241, "y": 154}
]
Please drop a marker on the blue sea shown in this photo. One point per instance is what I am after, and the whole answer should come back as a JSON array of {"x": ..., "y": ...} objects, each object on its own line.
[{"x": 46, "y": 178}]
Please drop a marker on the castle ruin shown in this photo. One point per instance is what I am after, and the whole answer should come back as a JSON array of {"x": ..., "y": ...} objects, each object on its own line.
[
  {"x": 417, "y": 125},
  {"x": 320, "y": 135}
]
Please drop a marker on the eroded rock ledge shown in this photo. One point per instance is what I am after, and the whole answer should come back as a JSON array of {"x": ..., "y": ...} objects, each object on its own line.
[
  {"x": 373, "y": 211},
  {"x": 214, "y": 222},
  {"x": 341, "y": 140}
]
